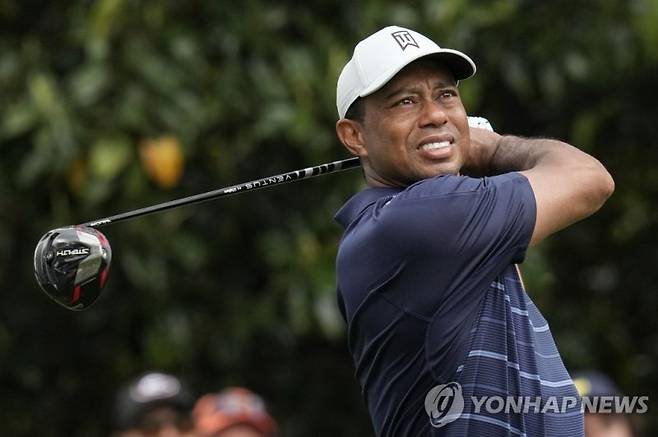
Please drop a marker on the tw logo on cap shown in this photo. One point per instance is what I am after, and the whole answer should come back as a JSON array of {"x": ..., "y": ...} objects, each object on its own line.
[{"x": 404, "y": 39}]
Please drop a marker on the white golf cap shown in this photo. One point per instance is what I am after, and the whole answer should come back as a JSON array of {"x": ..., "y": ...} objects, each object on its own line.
[{"x": 383, "y": 54}]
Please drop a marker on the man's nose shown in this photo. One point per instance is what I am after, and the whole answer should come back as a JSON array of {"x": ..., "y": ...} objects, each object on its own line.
[{"x": 432, "y": 115}]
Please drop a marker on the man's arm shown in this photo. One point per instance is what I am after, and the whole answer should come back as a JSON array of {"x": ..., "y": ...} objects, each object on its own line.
[{"x": 568, "y": 184}]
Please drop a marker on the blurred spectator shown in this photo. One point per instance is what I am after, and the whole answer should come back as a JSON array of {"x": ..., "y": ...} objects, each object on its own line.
[
  {"x": 233, "y": 412},
  {"x": 154, "y": 404},
  {"x": 593, "y": 384}
]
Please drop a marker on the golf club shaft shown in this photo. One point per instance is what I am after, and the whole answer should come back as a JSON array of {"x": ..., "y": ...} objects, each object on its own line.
[{"x": 284, "y": 178}]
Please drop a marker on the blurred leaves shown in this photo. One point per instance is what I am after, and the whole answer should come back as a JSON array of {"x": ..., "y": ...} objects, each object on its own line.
[
  {"x": 109, "y": 155},
  {"x": 113, "y": 105}
]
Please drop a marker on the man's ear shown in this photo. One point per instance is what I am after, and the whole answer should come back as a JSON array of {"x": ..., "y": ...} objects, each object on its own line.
[{"x": 350, "y": 134}]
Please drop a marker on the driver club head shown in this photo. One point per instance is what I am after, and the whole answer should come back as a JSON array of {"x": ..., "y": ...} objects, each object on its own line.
[{"x": 71, "y": 265}]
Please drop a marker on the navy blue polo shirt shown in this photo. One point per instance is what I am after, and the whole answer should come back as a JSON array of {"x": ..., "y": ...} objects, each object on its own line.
[{"x": 428, "y": 285}]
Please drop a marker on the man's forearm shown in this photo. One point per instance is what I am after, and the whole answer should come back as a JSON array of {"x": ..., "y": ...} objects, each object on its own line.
[
  {"x": 493, "y": 154},
  {"x": 517, "y": 154}
]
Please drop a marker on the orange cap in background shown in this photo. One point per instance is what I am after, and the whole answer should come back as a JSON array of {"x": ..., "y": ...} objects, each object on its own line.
[{"x": 216, "y": 412}]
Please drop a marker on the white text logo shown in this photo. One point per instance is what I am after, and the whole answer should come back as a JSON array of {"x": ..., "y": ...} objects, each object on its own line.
[{"x": 444, "y": 404}]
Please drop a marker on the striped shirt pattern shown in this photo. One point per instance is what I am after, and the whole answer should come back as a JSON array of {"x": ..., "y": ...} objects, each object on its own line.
[{"x": 512, "y": 354}]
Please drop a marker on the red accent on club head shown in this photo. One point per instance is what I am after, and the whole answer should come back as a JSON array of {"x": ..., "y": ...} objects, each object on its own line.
[
  {"x": 76, "y": 294},
  {"x": 102, "y": 239},
  {"x": 103, "y": 276}
]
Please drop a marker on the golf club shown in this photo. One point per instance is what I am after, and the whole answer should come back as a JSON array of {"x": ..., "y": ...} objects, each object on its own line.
[{"x": 71, "y": 264}]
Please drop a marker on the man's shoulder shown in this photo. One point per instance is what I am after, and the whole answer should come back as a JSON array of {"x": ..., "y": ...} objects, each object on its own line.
[
  {"x": 460, "y": 184},
  {"x": 452, "y": 196},
  {"x": 361, "y": 201},
  {"x": 369, "y": 197}
]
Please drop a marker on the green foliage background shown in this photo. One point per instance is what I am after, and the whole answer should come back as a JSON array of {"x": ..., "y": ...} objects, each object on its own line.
[{"x": 241, "y": 291}]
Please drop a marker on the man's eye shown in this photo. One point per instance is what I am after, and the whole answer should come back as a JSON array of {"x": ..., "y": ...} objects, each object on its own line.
[
  {"x": 405, "y": 101},
  {"x": 447, "y": 94}
]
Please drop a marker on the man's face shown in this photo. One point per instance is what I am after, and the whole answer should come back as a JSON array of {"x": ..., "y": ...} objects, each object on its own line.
[
  {"x": 162, "y": 421},
  {"x": 607, "y": 425},
  {"x": 415, "y": 127},
  {"x": 240, "y": 431}
]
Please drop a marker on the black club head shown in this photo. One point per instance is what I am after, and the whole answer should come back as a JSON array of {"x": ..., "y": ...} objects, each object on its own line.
[{"x": 71, "y": 265}]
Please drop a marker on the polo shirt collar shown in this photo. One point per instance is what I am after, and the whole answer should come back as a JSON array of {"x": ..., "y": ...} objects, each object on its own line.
[{"x": 360, "y": 201}]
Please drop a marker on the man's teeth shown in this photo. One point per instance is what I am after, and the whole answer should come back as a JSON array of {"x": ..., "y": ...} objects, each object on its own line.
[{"x": 432, "y": 146}]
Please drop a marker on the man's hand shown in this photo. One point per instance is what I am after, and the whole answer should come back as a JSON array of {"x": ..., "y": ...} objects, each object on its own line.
[{"x": 484, "y": 143}]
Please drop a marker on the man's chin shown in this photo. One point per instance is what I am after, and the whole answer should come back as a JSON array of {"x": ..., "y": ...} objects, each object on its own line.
[{"x": 452, "y": 169}]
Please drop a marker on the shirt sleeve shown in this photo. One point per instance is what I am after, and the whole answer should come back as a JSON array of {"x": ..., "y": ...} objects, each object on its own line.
[
  {"x": 455, "y": 235},
  {"x": 476, "y": 223}
]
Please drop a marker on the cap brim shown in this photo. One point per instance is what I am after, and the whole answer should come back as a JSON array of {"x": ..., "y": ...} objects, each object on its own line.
[{"x": 460, "y": 65}]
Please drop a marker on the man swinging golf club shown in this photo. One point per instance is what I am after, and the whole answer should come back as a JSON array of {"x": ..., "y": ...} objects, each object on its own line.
[{"x": 426, "y": 270}]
